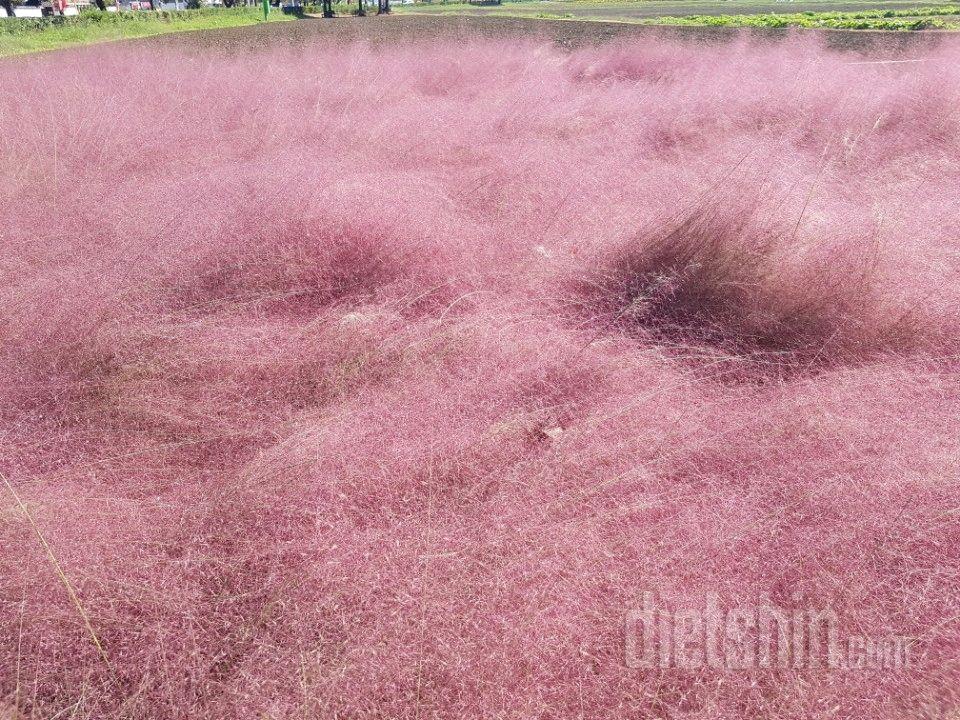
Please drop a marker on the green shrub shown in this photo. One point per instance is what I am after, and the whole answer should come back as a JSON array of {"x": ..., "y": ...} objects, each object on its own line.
[{"x": 900, "y": 20}]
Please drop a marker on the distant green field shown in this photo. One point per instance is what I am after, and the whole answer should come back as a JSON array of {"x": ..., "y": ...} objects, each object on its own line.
[
  {"x": 23, "y": 35},
  {"x": 829, "y": 14}
]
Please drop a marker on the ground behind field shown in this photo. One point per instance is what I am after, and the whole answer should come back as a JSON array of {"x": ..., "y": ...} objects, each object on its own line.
[
  {"x": 894, "y": 15},
  {"x": 659, "y": 8}
]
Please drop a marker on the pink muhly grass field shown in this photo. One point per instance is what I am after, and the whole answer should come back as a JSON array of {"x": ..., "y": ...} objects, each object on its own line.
[{"x": 355, "y": 382}]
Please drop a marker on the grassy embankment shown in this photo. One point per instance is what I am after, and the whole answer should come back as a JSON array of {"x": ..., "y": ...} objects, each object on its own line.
[{"x": 27, "y": 35}]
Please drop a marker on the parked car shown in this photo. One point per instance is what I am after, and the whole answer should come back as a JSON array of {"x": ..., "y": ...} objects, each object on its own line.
[
  {"x": 44, "y": 8},
  {"x": 33, "y": 9}
]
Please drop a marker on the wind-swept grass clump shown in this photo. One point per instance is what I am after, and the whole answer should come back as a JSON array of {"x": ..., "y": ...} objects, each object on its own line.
[
  {"x": 388, "y": 387},
  {"x": 718, "y": 283}
]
